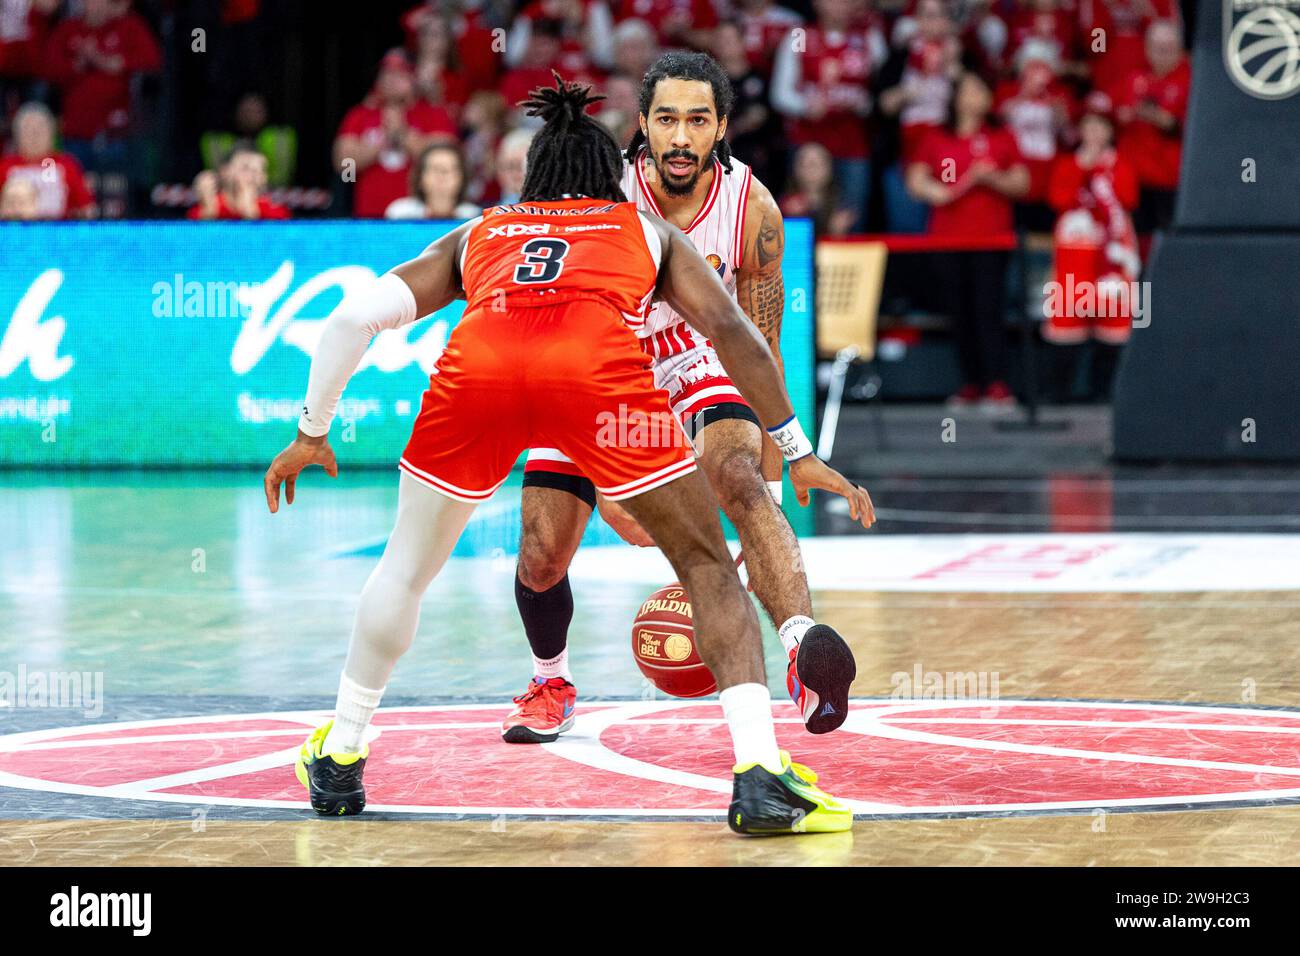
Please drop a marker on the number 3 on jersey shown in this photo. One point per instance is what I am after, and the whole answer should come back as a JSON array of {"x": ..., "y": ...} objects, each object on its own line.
[{"x": 543, "y": 260}]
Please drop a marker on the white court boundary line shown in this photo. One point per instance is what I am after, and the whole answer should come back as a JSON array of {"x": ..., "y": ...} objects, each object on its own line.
[{"x": 583, "y": 746}]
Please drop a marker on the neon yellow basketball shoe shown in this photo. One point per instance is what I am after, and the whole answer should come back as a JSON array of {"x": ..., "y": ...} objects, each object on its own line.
[
  {"x": 763, "y": 802},
  {"x": 332, "y": 780}
]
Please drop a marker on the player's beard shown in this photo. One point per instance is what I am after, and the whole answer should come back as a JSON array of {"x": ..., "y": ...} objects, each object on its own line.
[{"x": 676, "y": 186}]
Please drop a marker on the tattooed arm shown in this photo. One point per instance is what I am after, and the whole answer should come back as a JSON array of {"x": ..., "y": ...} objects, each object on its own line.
[{"x": 760, "y": 288}]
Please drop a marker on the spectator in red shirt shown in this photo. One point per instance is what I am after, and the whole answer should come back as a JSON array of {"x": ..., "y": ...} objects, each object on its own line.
[
  {"x": 439, "y": 78},
  {"x": 24, "y": 25},
  {"x": 1123, "y": 25},
  {"x": 61, "y": 191},
  {"x": 477, "y": 49},
  {"x": 380, "y": 137},
  {"x": 820, "y": 83},
  {"x": 547, "y": 50},
  {"x": 1151, "y": 109},
  {"x": 970, "y": 172},
  {"x": 679, "y": 23},
  {"x": 1036, "y": 109},
  {"x": 763, "y": 25},
  {"x": 916, "y": 84},
  {"x": 586, "y": 25},
  {"x": 237, "y": 191},
  {"x": 1047, "y": 22},
  {"x": 93, "y": 58},
  {"x": 1093, "y": 190}
]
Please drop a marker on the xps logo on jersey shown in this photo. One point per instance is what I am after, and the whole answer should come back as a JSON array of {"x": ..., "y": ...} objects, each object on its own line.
[{"x": 720, "y": 267}]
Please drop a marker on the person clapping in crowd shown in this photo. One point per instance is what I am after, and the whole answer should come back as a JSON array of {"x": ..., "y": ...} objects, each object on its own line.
[
  {"x": 970, "y": 172},
  {"x": 236, "y": 190}
]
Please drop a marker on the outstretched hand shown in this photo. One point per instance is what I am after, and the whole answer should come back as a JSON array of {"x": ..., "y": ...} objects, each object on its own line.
[
  {"x": 302, "y": 452},
  {"x": 811, "y": 472}
]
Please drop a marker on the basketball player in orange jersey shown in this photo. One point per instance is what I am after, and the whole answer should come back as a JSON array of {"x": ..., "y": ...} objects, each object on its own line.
[
  {"x": 555, "y": 287},
  {"x": 680, "y": 167}
]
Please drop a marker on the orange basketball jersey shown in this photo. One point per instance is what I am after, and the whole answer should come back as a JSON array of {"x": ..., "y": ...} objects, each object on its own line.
[{"x": 545, "y": 253}]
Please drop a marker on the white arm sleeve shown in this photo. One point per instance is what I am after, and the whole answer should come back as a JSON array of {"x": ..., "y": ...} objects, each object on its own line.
[{"x": 387, "y": 303}]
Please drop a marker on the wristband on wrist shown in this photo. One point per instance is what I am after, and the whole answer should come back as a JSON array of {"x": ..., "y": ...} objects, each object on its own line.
[
  {"x": 789, "y": 437},
  {"x": 774, "y": 487}
]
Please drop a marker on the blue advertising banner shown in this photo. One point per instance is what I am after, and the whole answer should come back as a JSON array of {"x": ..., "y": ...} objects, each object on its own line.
[{"x": 161, "y": 344}]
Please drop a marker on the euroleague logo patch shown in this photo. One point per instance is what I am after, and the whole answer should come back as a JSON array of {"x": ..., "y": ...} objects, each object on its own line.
[{"x": 672, "y": 759}]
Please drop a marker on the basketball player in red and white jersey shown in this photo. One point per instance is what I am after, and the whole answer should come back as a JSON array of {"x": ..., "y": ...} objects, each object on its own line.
[
  {"x": 679, "y": 167},
  {"x": 556, "y": 286}
]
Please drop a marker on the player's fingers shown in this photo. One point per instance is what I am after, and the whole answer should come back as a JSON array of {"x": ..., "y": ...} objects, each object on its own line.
[
  {"x": 866, "y": 515},
  {"x": 288, "y": 488},
  {"x": 801, "y": 495},
  {"x": 271, "y": 485},
  {"x": 870, "y": 506},
  {"x": 331, "y": 463}
]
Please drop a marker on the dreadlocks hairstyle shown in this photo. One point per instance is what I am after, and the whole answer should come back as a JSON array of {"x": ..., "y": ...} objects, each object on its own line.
[
  {"x": 687, "y": 66},
  {"x": 572, "y": 154}
]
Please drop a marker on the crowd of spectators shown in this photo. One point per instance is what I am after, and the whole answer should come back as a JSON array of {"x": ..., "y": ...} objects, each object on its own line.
[
  {"x": 839, "y": 102},
  {"x": 956, "y": 118}
]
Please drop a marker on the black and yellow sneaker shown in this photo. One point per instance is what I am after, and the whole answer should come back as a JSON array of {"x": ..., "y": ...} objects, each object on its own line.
[
  {"x": 820, "y": 673},
  {"x": 332, "y": 780},
  {"x": 763, "y": 802}
]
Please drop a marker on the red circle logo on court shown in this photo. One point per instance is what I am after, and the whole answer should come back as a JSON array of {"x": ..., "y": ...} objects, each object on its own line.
[{"x": 673, "y": 758}]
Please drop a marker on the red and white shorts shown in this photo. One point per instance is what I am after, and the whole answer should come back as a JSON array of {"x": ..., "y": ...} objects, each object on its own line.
[
  {"x": 571, "y": 377},
  {"x": 688, "y": 370}
]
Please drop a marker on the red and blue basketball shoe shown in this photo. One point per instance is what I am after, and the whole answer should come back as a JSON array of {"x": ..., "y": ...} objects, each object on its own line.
[
  {"x": 541, "y": 713},
  {"x": 819, "y": 676}
]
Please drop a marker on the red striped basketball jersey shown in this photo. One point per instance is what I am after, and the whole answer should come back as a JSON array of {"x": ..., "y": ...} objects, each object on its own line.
[
  {"x": 546, "y": 253},
  {"x": 718, "y": 232}
]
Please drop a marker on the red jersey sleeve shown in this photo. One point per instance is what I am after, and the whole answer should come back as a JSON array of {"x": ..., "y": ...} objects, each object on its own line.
[
  {"x": 1126, "y": 184},
  {"x": 428, "y": 118},
  {"x": 140, "y": 50},
  {"x": 1006, "y": 152},
  {"x": 354, "y": 122},
  {"x": 1063, "y": 185},
  {"x": 271, "y": 210},
  {"x": 59, "y": 68}
]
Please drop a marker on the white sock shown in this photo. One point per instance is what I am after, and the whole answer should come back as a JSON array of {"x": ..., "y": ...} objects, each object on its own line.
[
  {"x": 557, "y": 666},
  {"x": 352, "y": 713},
  {"x": 792, "y": 632},
  {"x": 748, "y": 709}
]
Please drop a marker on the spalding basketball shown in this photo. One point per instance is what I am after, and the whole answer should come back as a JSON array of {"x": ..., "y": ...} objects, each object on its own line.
[{"x": 663, "y": 643}]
